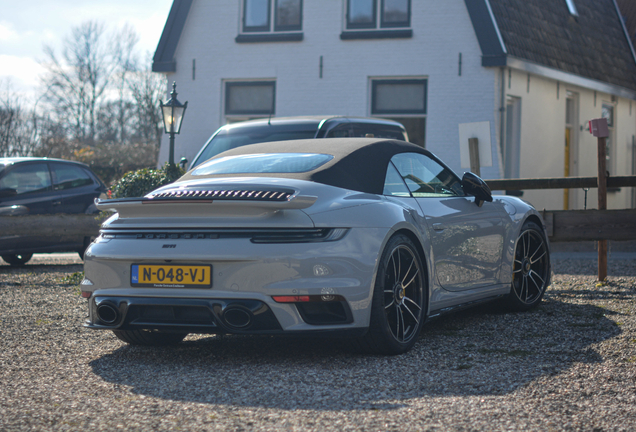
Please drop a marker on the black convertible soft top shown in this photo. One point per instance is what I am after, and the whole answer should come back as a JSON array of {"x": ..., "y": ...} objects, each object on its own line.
[{"x": 359, "y": 164}]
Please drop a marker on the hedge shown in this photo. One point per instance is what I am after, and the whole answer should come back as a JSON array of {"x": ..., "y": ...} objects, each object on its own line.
[{"x": 139, "y": 183}]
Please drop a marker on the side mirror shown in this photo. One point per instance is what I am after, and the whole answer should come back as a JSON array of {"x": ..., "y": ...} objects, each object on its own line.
[
  {"x": 475, "y": 186},
  {"x": 183, "y": 162}
]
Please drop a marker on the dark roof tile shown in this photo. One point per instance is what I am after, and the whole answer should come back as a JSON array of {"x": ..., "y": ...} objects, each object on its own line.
[{"x": 592, "y": 45}]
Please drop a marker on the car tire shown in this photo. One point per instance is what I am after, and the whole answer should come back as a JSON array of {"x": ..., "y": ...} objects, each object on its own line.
[
  {"x": 149, "y": 337},
  {"x": 17, "y": 259},
  {"x": 400, "y": 299},
  {"x": 530, "y": 269}
]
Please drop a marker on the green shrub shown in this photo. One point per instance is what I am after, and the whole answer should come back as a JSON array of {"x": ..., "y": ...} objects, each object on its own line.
[{"x": 139, "y": 183}]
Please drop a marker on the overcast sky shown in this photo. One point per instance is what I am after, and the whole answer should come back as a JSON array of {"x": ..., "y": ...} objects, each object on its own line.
[{"x": 27, "y": 25}]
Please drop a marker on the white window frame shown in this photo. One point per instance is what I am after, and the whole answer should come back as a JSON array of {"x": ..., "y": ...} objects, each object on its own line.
[
  {"x": 242, "y": 116},
  {"x": 378, "y": 24},
  {"x": 396, "y": 115},
  {"x": 272, "y": 5}
]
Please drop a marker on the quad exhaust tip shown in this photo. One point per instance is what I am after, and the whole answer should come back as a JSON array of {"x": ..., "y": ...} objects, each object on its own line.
[
  {"x": 107, "y": 313},
  {"x": 237, "y": 317}
]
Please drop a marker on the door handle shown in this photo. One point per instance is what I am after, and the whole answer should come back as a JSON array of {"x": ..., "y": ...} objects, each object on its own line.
[
  {"x": 438, "y": 227},
  {"x": 57, "y": 203}
]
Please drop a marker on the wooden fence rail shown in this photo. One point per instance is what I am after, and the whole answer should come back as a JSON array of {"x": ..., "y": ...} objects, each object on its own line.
[
  {"x": 588, "y": 225},
  {"x": 560, "y": 183},
  {"x": 579, "y": 225}
]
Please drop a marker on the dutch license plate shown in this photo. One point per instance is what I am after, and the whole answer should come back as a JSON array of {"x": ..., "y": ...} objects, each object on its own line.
[{"x": 171, "y": 276}]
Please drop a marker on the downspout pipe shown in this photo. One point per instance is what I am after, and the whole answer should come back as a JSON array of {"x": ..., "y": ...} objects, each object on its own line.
[{"x": 502, "y": 123}]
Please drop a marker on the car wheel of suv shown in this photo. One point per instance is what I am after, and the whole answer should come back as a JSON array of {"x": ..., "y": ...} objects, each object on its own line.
[
  {"x": 399, "y": 301},
  {"x": 149, "y": 337},
  {"x": 18, "y": 259}
]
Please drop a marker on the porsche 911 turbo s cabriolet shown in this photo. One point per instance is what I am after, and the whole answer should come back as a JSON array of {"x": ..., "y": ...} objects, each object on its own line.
[{"x": 357, "y": 237}]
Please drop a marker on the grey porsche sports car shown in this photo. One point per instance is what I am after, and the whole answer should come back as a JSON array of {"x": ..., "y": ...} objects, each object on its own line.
[{"x": 358, "y": 237}]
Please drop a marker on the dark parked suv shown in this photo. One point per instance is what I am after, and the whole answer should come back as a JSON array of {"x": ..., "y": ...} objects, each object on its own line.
[
  {"x": 31, "y": 186},
  {"x": 288, "y": 128}
]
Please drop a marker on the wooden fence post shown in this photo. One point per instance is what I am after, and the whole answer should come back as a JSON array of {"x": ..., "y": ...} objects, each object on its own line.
[{"x": 598, "y": 128}]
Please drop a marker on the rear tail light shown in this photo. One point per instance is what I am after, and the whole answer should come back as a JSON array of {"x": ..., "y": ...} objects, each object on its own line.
[
  {"x": 291, "y": 299},
  {"x": 308, "y": 298}
]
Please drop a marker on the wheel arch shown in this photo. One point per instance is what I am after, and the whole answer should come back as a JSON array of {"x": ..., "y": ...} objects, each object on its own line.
[{"x": 536, "y": 219}]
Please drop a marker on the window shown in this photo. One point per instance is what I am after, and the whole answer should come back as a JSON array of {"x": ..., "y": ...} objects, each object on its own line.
[
  {"x": 512, "y": 145},
  {"x": 610, "y": 147},
  {"x": 69, "y": 177},
  {"x": 264, "y": 163},
  {"x": 425, "y": 177},
  {"x": 28, "y": 178},
  {"x": 570, "y": 168},
  {"x": 373, "y": 14},
  {"x": 257, "y": 15},
  {"x": 250, "y": 99},
  {"x": 288, "y": 15},
  {"x": 229, "y": 139},
  {"x": 403, "y": 100},
  {"x": 393, "y": 183}
]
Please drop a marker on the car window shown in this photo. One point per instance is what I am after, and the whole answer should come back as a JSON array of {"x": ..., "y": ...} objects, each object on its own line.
[
  {"x": 340, "y": 131},
  {"x": 376, "y": 131},
  {"x": 393, "y": 183},
  {"x": 228, "y": 140},
  {"x": 263, "y": 163},
  {"x": 69, "y": 176},
  {"x": 27, "y": 178},
  {"x": 425, "y": 177}
]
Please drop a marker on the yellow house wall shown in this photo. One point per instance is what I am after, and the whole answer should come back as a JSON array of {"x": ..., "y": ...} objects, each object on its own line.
[{"x": 543, "y": 105}]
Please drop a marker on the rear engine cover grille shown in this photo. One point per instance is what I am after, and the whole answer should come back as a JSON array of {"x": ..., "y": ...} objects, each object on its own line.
[{"x": 272, "y": 195}]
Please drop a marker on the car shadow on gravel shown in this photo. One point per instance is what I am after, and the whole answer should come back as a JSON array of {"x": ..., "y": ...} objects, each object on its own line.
[{"x": 477, "y": 352}]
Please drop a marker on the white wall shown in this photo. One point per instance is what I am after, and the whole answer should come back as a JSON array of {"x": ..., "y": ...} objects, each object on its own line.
[{"x": 441, "y": 30}]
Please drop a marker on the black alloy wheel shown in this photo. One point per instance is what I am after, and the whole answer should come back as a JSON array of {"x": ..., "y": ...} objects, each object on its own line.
[
  {"x": 399, "y": 301},
  {"x": 17, "y": 259},
  {"x": 531, "y": 268}
]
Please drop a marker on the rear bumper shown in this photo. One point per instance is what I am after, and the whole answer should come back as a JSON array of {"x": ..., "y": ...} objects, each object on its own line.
[
  {"x": 212, "y": 316},
  {"x": 243, "y": 271}
]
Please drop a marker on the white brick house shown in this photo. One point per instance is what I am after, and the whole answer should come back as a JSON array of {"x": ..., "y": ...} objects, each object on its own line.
[{"x": 432, "y": 65}]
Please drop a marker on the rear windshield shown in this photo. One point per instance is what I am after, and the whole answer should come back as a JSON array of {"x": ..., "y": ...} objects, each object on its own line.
[
  {"x": 263, "y": 163},
  {"x": 226, "y": 140}
]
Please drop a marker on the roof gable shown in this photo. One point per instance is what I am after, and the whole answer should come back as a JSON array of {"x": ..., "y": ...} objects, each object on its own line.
[
  {"x": 163, "y": 60},
  {"x": 592, "y": 45},
  {"x": 628, "y": 10}
]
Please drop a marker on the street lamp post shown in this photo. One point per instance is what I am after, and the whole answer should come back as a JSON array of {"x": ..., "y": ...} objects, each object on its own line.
[{"x": 173, "y": 112}]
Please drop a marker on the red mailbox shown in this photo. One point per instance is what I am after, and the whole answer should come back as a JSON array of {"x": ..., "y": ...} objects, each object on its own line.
[{"x": 598, "y": 128}]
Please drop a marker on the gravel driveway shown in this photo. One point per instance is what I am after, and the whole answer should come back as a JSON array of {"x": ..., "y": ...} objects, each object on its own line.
[{"x": 569, "y": 365}]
